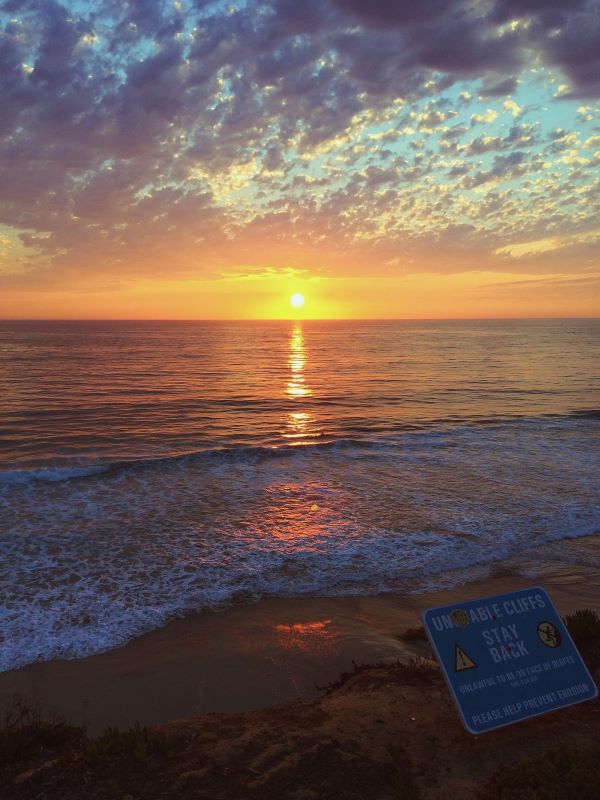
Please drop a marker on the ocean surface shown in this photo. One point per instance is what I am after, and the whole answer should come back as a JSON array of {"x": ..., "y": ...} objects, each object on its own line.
[{"x": 152, "y": 469}]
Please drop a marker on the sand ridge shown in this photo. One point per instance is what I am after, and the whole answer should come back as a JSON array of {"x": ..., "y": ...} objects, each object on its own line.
[{"x": 386, "y": 731}]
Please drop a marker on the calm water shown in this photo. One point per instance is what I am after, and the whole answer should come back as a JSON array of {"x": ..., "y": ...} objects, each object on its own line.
[{"x": 152, "y": 469}]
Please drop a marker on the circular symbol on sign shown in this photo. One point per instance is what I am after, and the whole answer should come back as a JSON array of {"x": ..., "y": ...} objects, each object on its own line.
[
  {"x": 460, "y": 618},
  {"x": 549, "y": 634}
]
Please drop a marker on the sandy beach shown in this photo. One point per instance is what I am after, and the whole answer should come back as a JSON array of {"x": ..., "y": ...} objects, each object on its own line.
[
  {"x": 250, "y": 657},
  {"x": 378, "y": 732}
]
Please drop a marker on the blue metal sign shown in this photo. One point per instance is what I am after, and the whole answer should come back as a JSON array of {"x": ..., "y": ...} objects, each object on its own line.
[{"x": 507, "y": 658}]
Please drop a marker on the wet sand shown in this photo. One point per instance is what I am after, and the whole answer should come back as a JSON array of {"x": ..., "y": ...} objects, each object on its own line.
[{"x": 251, "y": 657}]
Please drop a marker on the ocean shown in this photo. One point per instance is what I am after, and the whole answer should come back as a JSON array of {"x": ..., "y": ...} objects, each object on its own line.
[{"x": 153, "y": 469}]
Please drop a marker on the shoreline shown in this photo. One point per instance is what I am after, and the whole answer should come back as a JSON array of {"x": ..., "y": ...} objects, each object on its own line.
[{"x": 272, "y": 652}]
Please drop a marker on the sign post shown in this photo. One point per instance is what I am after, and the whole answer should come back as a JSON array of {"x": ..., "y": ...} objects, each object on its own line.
[{"x": 507, "y": 658}]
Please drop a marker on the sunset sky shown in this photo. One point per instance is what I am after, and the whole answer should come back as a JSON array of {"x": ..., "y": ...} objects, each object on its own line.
[{"x": 385, "y": 159}]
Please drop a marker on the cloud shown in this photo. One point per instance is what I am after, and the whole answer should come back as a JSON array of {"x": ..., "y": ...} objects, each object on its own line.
[
  {"x": 514, "y": 108},
  {"x": 461, "y": 37},
  {"x": 380, "y": 13},
  {"x": 520, "y": 249},
  {"x": 135, "y": 134}
]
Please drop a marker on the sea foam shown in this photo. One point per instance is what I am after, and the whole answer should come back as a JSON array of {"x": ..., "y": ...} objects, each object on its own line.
[{"x": 100, "y": 554}]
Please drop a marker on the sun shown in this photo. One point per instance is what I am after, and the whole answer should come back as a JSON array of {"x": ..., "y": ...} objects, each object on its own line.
[{"x": 297, "y": 300}]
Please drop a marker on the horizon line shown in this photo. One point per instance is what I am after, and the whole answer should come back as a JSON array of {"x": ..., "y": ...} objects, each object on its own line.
[{"x": 295, "y": 319}]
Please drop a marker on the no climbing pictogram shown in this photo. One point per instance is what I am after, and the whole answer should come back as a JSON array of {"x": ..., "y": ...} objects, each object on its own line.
[{"x": 549, "y": 634}]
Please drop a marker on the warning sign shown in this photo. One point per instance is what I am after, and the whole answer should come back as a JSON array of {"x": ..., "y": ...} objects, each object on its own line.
[
  {"x": 507, "y": 658},
  {"x": 462, "y": 660}
]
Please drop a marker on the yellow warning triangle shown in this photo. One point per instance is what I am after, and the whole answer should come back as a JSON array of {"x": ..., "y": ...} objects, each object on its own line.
[{"x": 462, "y": 660}]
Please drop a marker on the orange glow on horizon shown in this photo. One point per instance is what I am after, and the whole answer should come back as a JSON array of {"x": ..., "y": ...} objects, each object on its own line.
[{"x": 427, "y": 295}]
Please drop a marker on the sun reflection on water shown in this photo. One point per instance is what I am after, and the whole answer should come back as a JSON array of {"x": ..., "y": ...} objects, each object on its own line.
[
  {"x": 299, "y": 422},
  {"x": 313, "y": 637},
  {"x": 296, "y": 386}
]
